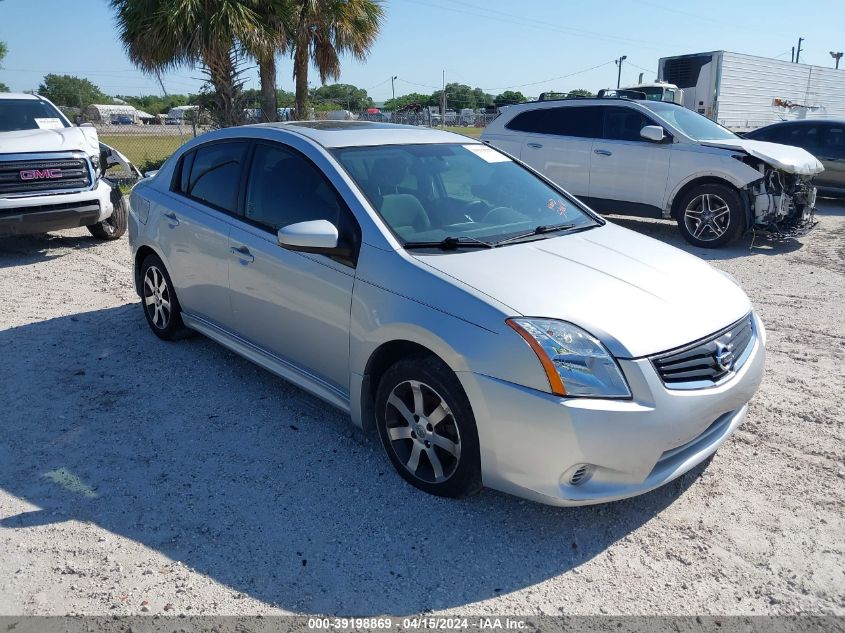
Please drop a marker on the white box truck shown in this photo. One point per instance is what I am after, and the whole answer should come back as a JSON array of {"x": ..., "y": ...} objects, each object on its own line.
[{"x": 745, "y": 92}]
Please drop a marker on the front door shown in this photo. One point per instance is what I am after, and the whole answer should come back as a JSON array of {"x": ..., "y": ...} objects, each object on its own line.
[
  {"x": 628, "y": 174},
  {"x": 294, "y": 305}
]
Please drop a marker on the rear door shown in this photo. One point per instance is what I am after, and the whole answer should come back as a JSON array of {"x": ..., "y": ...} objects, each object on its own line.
[
  {"x": 628, "y": 174},
  {"x": 829, "y": 147},
  {"x": 194, "y": 228},
  {"x": 558, "y": 141}
]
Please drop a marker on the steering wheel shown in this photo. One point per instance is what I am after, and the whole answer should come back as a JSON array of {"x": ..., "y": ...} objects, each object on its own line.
[{"x": 505, "y": 215}]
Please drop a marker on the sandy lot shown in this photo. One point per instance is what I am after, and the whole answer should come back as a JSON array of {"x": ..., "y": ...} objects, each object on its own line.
[{"x": 138, "y": 476}]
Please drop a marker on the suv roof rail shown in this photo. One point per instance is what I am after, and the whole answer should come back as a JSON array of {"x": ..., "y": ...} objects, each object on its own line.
[
  {"x": 617, "y": 93},
  {"x": 624, "y": 97}
]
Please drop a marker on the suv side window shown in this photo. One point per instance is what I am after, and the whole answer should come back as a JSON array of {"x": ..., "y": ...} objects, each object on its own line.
[
  {"x": 211, "y": 174},
  {"x": 577, "y": 121},
  {"x": 833, "y": 143},
  {"x": 624, "y": 124}
]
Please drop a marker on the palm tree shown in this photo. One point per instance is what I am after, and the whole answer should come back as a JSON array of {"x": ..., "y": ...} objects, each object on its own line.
[
  {"x": 276, "y": 18},
  {"x": 161, "y": 35},
  {"x": 322, "y": 31}
]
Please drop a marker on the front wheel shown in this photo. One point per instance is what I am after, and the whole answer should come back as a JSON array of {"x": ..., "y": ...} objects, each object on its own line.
[
  {"x": 711, "y": 216},
  {"x": 158, "y": 298},
  {"x": 113, "y": 226},
  {"x": 427, "y": 427}
]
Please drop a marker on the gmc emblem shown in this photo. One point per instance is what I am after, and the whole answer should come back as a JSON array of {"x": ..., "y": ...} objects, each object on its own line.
[{"x": 40, "y": 174}]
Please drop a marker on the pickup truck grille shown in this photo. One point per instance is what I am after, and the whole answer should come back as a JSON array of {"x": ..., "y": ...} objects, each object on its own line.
[
  {"x": 20, "y": 177},
  {"x": 707, "y": 361}
]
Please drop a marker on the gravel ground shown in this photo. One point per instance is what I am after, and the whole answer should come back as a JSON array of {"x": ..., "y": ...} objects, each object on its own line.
[{"x": 138, "y": 476}]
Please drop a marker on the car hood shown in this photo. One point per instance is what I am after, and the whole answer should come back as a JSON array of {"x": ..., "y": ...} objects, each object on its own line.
[
  {"x": 792, "y": 160},
  {"x": 639, "y": 296},
  {"x": 59, "y": 140}
]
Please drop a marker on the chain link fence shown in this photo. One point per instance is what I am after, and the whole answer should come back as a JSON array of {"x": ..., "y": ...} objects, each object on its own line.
[{"x": 148, "y": 142}]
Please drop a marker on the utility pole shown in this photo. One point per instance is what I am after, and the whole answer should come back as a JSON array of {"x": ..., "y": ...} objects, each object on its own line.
[
  {"x": 792, "y": 59},
  {"x": 619, "y": 72},
  {"x": 837, "y": 57},
  {"x": 798, "y": 52},
  {"x": 393, "y": 89},
  {"x": 443, "y": 103}
]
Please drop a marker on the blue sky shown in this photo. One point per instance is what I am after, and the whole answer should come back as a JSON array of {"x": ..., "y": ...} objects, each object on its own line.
[{"x": 527, "y": 45}]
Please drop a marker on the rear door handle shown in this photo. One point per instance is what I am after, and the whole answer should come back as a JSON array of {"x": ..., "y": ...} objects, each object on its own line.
[
  {"x": 534, "y": 145},
  {"x": 243, "y": 254},
  {"x": 602, "y": 152},
  {"x": 172, "y": 218}
]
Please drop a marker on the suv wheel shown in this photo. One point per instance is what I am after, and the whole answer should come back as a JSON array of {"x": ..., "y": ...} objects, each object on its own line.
[
  {"x": 427, "y": 427},
  {"x": 161, "y": 307},
  {"x": 711, "y": 216},
  {"x": 113, "y": 226}
]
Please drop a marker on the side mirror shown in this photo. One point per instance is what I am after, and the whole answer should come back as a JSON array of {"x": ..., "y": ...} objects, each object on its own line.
[
  {"x": 316, "y": 236},
  {"x": 653, "y": 133}
]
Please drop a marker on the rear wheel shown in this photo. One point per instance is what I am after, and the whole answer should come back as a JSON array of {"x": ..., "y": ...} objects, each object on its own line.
[
  {"x": 161, "y": 307},
  {"x": 427, "y": 427},
  {"x": 113, "y": 226},
  {"x": 711, "y": 216}
]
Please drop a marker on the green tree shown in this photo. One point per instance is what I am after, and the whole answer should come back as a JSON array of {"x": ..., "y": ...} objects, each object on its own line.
[
  {"x": 580, "y": 92},
  {"x": 343, "y": 96},
  {"x": 323, "y": 30},
  {"x": 459, "y": 96},
  {"x": 67, "y": 90},
  {"x": 509, "y": 97},
  {"x": 404, "y": 100},
  {"x": 154, "y": 104},
  {"x": 161, "y": 35},
  {"x": 3, "y": 50}
]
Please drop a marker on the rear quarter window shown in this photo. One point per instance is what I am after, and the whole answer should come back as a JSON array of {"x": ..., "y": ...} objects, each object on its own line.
[{"x": 582, "y": 122}]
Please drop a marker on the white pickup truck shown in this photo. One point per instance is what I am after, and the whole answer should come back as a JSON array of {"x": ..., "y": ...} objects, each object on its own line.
[{"x": 52, "y": 172}]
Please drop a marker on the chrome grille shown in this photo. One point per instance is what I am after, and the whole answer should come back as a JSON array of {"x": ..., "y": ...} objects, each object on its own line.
[
  {"x": 708, "y": 361},
  {"x": 25, "y": 176}
]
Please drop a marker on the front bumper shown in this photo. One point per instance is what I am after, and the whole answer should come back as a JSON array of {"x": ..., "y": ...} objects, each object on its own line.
[
  {"x": 42, "y": 213},
  {"x": 533, "y": 443}
]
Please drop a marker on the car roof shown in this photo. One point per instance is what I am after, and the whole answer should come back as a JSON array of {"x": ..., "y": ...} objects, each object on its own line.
[
  {"x": 366, "y": 133},
  {"x": 832, "y": 120},
  {"x": 8, "y": 96}
]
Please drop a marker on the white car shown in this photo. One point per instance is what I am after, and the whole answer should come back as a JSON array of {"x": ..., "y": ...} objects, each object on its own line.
[
  {"x": 658, "y": 159},
  {"x": 51, "y": 172}
]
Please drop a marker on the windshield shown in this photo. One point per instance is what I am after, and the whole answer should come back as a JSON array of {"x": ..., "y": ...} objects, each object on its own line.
[
  {"x": 28, "y": 114},
  {"x": 427, "y": 193},
  {"x": 697, "y": 127}
]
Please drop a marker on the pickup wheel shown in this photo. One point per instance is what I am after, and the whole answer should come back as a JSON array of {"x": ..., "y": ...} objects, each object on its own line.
[
  {"x": 113, "y": 226},
  {"x": 159, "y": 301},
  {"x": 711, "y": 216}
]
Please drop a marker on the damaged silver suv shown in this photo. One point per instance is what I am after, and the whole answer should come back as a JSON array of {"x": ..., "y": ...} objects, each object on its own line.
[{"x": 657, "y": 159}]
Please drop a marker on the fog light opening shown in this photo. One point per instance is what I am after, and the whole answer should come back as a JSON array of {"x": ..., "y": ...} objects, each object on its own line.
[{"x": 580, "y": 474}]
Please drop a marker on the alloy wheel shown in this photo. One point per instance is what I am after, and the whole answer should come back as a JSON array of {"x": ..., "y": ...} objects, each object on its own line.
[
  {"x": 707, "y": 217},
  {"x": 422, "y": 431},
  {"x": 157, "y": 298}
]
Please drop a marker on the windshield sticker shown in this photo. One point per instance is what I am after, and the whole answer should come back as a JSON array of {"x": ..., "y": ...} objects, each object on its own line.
[
  {"x": 49, "y": 124},
  {"x": 556, "y": 204},
  {"x": 487, "y": 153}
]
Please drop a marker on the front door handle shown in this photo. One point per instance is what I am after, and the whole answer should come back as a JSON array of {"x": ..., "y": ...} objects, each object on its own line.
[
  {"x": 602, "y": 152},
  {"x": 534, "y": 145},
  {"x": 172, "y": 219},
  {"x": 243, "y": 254}
]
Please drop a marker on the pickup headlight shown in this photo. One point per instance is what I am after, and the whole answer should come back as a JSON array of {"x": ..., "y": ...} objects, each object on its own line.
[{"x": 576, "y": 363}]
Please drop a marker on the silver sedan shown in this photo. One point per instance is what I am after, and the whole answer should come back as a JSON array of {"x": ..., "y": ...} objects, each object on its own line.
[{"x": 492, "y": 329}]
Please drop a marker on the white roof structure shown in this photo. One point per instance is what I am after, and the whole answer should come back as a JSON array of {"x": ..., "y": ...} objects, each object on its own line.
[{"x": 106, "y": 111}]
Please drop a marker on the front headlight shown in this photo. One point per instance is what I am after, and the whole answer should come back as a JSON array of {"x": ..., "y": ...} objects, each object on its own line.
[{"x": 576, "y": 363}]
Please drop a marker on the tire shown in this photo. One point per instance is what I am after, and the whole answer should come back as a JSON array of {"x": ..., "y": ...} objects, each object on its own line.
[
  {"x": 161, "y": 309},
  {"x": 711, "y": 216},
  {"x": 114, "y": 226},
  {"x": 437, "y": 452}
]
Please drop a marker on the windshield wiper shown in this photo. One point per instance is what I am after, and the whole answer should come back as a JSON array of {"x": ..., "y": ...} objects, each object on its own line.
[
  {"x": 451, "y": 243},
  {"x": 538, "y": 230}
]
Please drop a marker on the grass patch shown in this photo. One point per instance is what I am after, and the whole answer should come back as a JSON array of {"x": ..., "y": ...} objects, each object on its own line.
[
  {"x": 145, "y": 149},
  {"x": 473, "y": 132}
]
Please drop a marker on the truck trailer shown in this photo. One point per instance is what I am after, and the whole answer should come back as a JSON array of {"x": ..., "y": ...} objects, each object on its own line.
[{"x": 745, "y": 92}]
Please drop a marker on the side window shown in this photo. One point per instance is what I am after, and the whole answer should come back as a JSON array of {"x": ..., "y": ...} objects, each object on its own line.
[
  {"x": 624, "y": 124},
  {"x": 833, "y": 144},
  {"x": 583, "y": 122},
  {"x": 286, "y": 188},
  {"x": 212, "y": 174}
]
